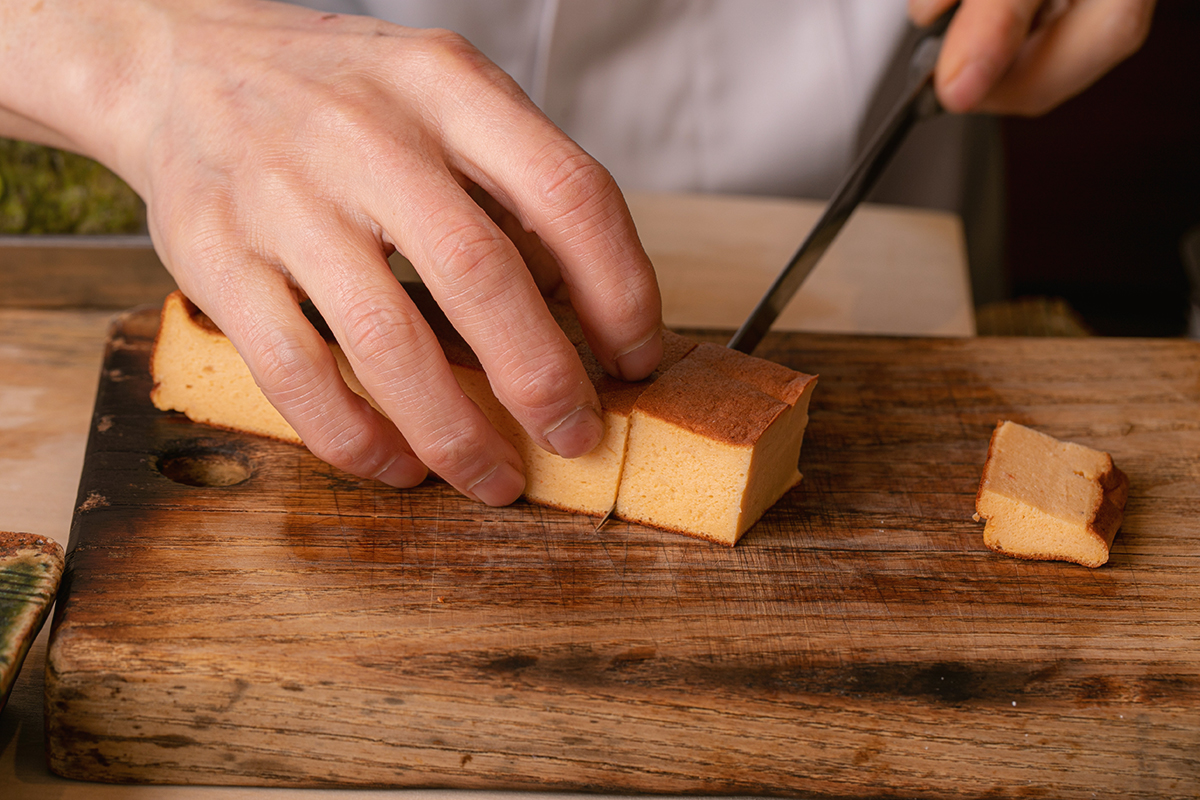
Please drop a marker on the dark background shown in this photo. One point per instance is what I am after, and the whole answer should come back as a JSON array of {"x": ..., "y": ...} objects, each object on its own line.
[{"x": 1101, "y": 190}]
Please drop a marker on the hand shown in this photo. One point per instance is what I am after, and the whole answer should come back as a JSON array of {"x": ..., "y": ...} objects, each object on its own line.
[
  {"x": 283, "y": 153},
  {"x": 1027, "y": 56}
]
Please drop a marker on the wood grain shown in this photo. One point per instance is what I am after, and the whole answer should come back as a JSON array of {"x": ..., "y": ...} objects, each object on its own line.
[
  {"x": 50, "y": 367},
  {"x": 103, "y": 271},
  {"x": 307, "y": 628}
]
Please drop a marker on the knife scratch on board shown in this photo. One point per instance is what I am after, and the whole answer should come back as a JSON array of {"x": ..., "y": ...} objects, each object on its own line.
[{"x": 604, "y": 519}]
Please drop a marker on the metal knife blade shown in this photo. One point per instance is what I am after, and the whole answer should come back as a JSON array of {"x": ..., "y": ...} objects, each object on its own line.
[{"x": 918, "y": 102}]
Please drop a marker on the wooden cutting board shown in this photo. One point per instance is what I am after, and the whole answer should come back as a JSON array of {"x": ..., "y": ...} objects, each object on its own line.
[{"x": 303, "y": 627}]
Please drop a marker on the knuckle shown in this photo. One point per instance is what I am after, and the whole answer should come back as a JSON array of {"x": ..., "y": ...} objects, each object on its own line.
[
  {"x": 359, "y": 120},
  {"x": 201, "y": 232},
  {"x": 568, "y": 180},
  {"x": 343, "y": 113},
  {"x": 462, "y": 69},
  {"x": 283, "y": 365},
  {"x": 632, "y": 302},
  {"x": 375, "y": 331},
  {"x": 214, "y": 246},
  {"x": 468, "y": 250},
  {"x": 454, "y": 451},
  {"x": 350, "y": 448},
  {"x": 542, "y": 385},
  {"x": 449, "y": 47}
]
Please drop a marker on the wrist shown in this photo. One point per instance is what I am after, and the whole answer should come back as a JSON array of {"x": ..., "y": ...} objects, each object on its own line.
[
  {"x": 66, "y": 68},
  {"x": 92, "y": 76}
]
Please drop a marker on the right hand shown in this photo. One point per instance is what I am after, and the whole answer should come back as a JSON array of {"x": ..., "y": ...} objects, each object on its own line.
[
  {"x": 283, "y": 153},
  {"x": 1028, "y": 56}
]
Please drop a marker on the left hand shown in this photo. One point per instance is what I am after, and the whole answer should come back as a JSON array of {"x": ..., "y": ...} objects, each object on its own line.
[{"x": 1028, "y": 56}]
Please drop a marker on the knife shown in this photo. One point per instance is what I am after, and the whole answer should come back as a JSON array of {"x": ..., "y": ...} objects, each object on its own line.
[{"x": 917, "y": 103}]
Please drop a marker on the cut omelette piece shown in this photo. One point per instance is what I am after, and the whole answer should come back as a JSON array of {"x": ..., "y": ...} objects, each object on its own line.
[
  {"x": 723, "y": 429},
  {"x": 714, "y": 443},
  {"x": 1049, "y": 500}
]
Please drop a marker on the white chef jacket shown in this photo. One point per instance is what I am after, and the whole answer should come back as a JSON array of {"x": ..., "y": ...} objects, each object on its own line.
[{"x": 746, "y": 96}]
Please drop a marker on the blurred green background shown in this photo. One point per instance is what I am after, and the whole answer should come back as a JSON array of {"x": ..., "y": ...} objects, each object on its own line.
[{"x": 43, "y": 191}]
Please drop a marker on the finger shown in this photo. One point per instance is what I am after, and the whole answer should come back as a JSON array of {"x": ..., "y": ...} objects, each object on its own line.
[
  {"x": 293, "y": 366},
  {"x": 924, "y": 12},
  {"x": 981, "y": 43},
  {"x": 1069, "y": 54},
  {"x": 576, "y": 209},
  {"x": 542, "y": 264},
  {"x": 477, "y": 276},
  {"x": 398, "y": 360},
  {"x": 504, "y": 144}
]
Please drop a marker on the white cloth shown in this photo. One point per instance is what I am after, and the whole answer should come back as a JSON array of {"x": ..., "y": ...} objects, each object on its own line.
[{"x": 751, "y": 96}]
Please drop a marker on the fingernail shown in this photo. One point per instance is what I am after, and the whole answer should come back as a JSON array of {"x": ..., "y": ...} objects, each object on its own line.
[
  {"x": 578, "y": 434},
  {"x": 640, "y": 360},
  {"x": 967, "y": 88},
  {"x": 499, "y": 487},
  {"x": 403, "y": 473}
]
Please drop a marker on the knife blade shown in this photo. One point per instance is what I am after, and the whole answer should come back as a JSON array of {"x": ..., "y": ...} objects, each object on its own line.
[{"x": 918, "y": 102}]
